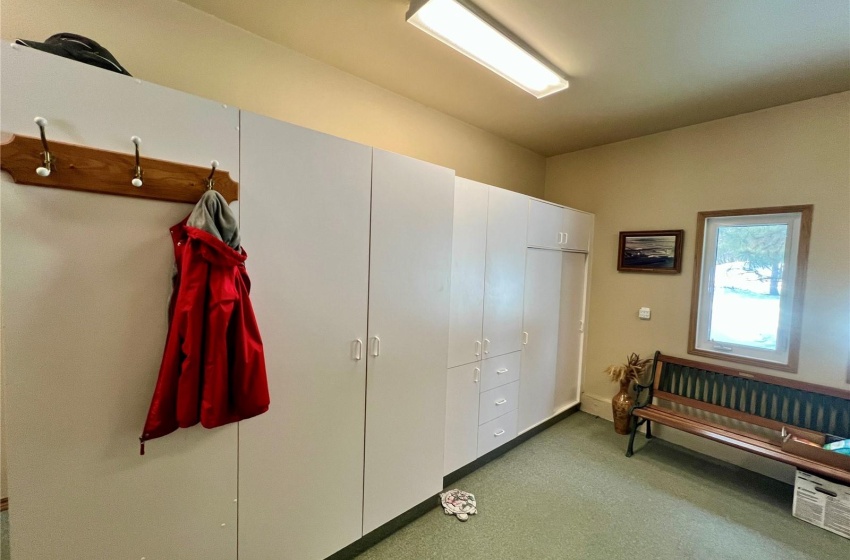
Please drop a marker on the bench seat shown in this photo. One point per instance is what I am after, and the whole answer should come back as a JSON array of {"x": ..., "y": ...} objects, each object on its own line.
[{"x": 750, "y": 399}]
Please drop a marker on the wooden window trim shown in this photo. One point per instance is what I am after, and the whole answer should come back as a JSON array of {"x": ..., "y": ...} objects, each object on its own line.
[{"x": 794, "y": 335}]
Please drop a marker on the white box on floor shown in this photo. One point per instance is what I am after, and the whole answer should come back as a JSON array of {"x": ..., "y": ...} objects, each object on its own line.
[{"x": 822, "y": 503}]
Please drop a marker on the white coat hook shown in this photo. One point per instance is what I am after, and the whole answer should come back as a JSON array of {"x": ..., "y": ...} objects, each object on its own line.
[
  {"x": 49, "y": 160},
  {"x": 137, "y": 174},
  {"x": 210, "y": 180}
]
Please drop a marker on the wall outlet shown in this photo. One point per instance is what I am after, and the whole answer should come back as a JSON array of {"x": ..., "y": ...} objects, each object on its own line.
[{"x": 644, "y": 313}]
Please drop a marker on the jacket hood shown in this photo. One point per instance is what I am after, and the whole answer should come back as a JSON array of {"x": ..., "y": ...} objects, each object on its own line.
[
  {"x": 214, "y": 249},
  {"x": 213, "y": 215}
]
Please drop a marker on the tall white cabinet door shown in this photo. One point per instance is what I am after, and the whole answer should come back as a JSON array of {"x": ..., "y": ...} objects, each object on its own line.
[
  {"x": 571, "y": 334},
  {"x": 409, "y": 279},
  {"x": 507, "y": 225},
  {"x": 462, "y": 396},
  {"x": 305, "y": 224},
  {"x": 86, "y": 279},
  {"x": 545, "y": 225},
  {"x": 469, "y": 242},
  {"x": 578, "y": 228},
  {"x": 540, "y": 320}
]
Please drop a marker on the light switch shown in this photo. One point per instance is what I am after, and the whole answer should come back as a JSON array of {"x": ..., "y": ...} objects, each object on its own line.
[{"x": 644, "y": 313}]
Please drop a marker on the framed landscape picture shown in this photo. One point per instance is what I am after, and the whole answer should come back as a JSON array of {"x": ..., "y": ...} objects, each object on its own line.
[{"x": 651, "y": 251}]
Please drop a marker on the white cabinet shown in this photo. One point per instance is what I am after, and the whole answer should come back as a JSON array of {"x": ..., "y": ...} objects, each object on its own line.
[
  {"x": 507, "y": 225},
  {"x": 571, "y": 330},
  {"x": 578, "y": 229},
  {"x": 555, "y": 227},
  {"x": 485, "y": 329},
  {"x": 410, "y": 270},
  {"x": 545, "y": 225},
  {"x": 469, "y": 242},
  {"x": 462, "y": 397},
  {"x": 305, "y": 203},
  {"x": 85, "y": 281},
  {"x": 540, "y": 321}
]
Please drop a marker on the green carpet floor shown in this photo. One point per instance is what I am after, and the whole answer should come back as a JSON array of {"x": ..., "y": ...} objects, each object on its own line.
[{"x": 570, "y": 493}]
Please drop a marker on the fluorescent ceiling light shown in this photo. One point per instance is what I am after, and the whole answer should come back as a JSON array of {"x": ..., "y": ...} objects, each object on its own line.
[{"x": 463, "y": 26}]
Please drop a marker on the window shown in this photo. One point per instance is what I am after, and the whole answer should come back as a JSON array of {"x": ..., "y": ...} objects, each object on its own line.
[{"x": 749, "y": 281}]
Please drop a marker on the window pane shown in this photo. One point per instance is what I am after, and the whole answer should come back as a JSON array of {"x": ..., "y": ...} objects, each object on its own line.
[{"x": 748, "y": 284}]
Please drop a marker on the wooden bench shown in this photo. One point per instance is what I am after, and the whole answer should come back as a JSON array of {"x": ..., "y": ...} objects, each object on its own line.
[{"x": 740, "y": 409}]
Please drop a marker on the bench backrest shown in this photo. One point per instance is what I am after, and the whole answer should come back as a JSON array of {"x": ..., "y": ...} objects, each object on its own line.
[{"x": 755, "y": 398}]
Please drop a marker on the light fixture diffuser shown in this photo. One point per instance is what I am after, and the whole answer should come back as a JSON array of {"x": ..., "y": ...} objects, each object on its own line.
[{"x": 466, "y": 28}]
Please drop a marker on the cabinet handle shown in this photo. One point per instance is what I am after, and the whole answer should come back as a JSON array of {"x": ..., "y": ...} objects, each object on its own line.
[
  {"x": 501, "y": 371},
  {"x": 376, "y": 346},
  {"x": 500, "y": 432},
  {"x": 566, "y": 238},
  {"x": 358, "y": 352},
  {"x": 560, "y": 238},
  {"x": 486, "y": 346},
  {"x": 477, "y": 377},
  {"x": 477, "y": 348},
  {"x": 501, "y": 402},
  {"x": 525, "y": 338}
]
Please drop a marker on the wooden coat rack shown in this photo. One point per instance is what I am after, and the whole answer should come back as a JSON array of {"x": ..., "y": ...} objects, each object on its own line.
[{"x": 81, "y": 168}]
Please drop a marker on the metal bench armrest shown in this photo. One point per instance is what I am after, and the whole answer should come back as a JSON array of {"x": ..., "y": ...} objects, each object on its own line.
[{"x": 645, "y": 390}]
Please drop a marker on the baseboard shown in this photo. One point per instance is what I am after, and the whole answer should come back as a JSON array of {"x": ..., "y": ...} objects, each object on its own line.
[
  {"x": 371, "y": 539},
  {"x": 601, "y": 407},
  {"x": 453, "y": 477}
]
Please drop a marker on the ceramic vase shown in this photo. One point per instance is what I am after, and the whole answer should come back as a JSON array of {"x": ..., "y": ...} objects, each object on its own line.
[{"x": 621, "y": 404}]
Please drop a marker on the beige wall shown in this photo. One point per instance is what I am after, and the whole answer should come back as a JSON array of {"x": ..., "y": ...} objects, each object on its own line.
[
  {"x": 793, "y": 154},
  {"x": 170, "y": 43}
]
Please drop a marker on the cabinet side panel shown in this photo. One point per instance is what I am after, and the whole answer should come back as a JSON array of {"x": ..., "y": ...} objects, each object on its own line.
[{"x": 86, "y": 280}]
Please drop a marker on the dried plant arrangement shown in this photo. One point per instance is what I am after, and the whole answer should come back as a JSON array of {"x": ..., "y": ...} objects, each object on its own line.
[{"x": 630, "y": 371}]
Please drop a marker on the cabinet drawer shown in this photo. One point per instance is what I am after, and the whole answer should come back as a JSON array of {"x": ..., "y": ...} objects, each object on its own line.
[
  {"x": 497, "y": 402},
  {"x": 499, "y": 371},
  {"x": 496, "y": 432}
]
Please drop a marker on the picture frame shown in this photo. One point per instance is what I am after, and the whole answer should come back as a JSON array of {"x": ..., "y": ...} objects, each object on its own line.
[{"x": 658, "y": 251}]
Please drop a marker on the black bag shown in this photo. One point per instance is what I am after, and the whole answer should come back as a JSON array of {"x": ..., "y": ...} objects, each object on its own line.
[{"x": 77, "y": 47}]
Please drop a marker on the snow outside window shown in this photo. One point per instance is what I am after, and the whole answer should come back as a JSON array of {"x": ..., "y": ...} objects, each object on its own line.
[{"x": 751, "y": 276}]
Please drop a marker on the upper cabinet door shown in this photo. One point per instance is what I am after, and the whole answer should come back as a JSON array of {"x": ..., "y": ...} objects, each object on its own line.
[
  {"x": 504, "y": 277},
  {"x": 578, "y": 229},
  {"x": 545, "y": 225},
  {"x": 305, "y": 224},
  {"x": 469, "y": 243},
  {"x": 410, "y": 270}
]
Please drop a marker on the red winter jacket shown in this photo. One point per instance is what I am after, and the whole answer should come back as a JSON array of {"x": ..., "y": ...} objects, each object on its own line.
[{"x": 213, "y": 369}]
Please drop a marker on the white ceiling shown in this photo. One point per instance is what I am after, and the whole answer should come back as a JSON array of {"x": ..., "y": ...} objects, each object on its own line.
[{"x": 636, "y": 66}]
